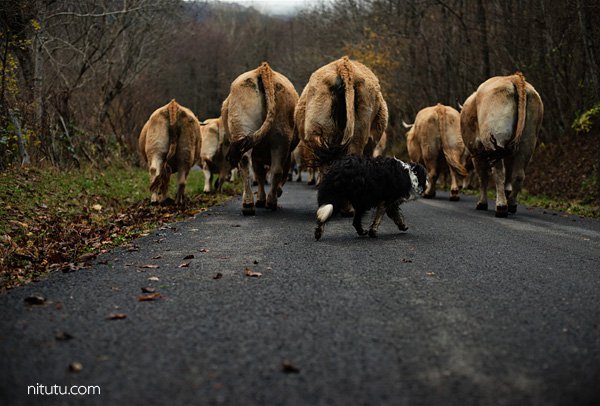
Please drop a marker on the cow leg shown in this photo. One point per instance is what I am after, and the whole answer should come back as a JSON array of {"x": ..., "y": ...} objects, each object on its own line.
[
  {"x": 394, "y": 212},
  {"x": 379, "y": 211},
  {"x": 357, "y": 222},
  {"x": 182, "y": 175},
  {"x": 312, "y": 177},
  {"x": 207, "y": 178},
  {"x": 482, "y": 168},
  {"x": 280, "y": 165},
  {"x": 517, "y": 184},
  {"x": 432, "y": 174},
  {"x": 454, "y": 189},
  {"x": 499, "y": 178},
  {"x": 260, "y": 174},
  {"x": 247, "y": 197}
]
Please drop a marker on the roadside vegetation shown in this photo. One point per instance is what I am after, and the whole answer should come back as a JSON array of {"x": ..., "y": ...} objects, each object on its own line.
[{"x": 59, "y": 220}]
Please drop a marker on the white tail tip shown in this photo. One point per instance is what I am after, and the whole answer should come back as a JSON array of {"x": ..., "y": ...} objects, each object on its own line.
[{"x": 324, "y": 213}]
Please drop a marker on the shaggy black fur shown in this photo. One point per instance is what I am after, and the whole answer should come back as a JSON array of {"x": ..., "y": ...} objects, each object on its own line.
[{"x": 369, "y": 182}]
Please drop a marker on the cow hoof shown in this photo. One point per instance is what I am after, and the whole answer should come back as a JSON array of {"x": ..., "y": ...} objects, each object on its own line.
[
  {"x": 311, "y": 182},
  {"x": 481, "y": 206},
  {"x": 402, "y": 228},
  {"x": 454, "y": 198},
  {"x": 272, "y": 205},
  {"x": 279, "y": 192},
  {"x": 248, "y": 209},
  {"x": 429, "y": 195},
  {"x": 372, "y": 233},
  {"x": 261, "y": 204},
  {"x": 512, "y": 208},
  {"x": 501, "y": 211}
]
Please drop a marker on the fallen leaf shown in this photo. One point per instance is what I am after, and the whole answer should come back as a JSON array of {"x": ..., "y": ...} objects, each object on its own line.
[
  {"x": 157, "y": 257},
  {"x": 149, "y": 297},
  {"x": 148, "y": 290},
  {"x": 97, "y": 207},
  {"x": 429, "y": 273},
  {"x": 87, "y": 257},
  {"x": 218, "y": 275},
  {"x": 203, "y": 250},
  {"x": 288, "y": 368},
  {"x": 153, "y": 278},
  {"x": 406, "y": 261},
  {"x": 117, "y": 316},
  {"x": 35, "y": 300},
  {"x": 191, "y": 256},
  {"x": 151, "y": 266},
  {"x": 184, "y": 264},
  {"x": 63, "y": 336},
  {"x": 75, "y": 367},
  {"x": 255, "y": 262},
  {"x": 251, "y": 273}
]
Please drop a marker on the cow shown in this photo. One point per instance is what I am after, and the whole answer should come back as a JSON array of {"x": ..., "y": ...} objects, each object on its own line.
[
  {"x": 435, "y": 141},
  {"x": 341, "y": 110},
  {"x": 382, "y": 146},
  {"x": 500, "y": 123},
  {"x": 213, "y": 152},
  {"x": 258, "y": 115},
  {"x": 170, "y": 142}
]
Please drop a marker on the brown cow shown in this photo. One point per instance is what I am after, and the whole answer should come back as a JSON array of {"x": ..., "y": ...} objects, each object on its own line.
[
  {"x": 342, "y": 110},
  {"x": 258, "y": 114},
  {"x": 213, "y": 152},
  {"x": 434, "y": 140},
  {"x": 170, "y": 142},
  {"x": 500, "y": 123}
]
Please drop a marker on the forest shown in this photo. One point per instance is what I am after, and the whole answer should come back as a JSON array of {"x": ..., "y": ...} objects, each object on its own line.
[{"x": 79, "y": 78}]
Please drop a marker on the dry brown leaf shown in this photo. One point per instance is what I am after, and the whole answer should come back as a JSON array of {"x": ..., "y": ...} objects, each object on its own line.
[
  {"x": 288, "y": 368},
  {"x": 430, "y": 273},
  {"x": 146, "y": 298},
  {"x": 184, "y": 264},
  {"x": 117, "y": 316},
  {"x": 153, "y": 278},
  {"x": 35, "y": 300},
  {"x": 157, "y": 257},
  {"x": 251, "y": 273},
  {"x": 75, "y": 367},
  {"x": 148, "y": 290},
  {"x": 203, "y": 250},
  {"x": 150, "y": 266},
  {"x": 218, "y": 275},
  {"x": 191, "y": 256}
]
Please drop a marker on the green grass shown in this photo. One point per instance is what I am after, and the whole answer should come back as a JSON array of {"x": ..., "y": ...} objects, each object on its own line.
[{"x": 49, "y": 218}]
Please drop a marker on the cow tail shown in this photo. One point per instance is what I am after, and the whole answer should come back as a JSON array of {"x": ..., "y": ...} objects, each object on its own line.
[
  {"x": 520, "y": 85},
  {"x": 172, "y": 108},
  {"x": 346, "y": 73},
  {"x": 451, "y": 159},
  {"x": 266, "y": 76}
]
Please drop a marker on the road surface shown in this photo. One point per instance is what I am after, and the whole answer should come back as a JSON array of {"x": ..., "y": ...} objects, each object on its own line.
[{"x": 464, "y": 308}]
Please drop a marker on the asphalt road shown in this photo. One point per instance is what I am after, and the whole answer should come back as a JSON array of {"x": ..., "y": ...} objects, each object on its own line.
[{"x": 464, "y": 308}]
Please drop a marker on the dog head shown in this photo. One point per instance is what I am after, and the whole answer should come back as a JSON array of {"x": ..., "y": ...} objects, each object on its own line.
[{"x": 418, "y": 177}]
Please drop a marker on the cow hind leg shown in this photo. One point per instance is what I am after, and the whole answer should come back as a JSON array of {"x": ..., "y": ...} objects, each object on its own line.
[
  {"x": 482, "y": 168},
  {"x": 181, "y": 182},
  {"x": 454, "y": 189},
  {"x": 517, "y": 184},
  {"x": 247, "y": 197},
  {"x": 207, "y": 178},
  {"x": 499, "y": 178},
  {"x": 432, "y": 174},
  {"x": 260, "y": 173}
]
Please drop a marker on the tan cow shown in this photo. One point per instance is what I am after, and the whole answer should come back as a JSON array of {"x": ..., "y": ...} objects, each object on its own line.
[
  {"x": 500, "y": 123},
  {"x": 258, "y": 115},
  {"x": 170, "y": 142},
  {"x": 213, "y": 152},
  {"x": 341, "y": 110},
  {"x": 434, "y": 140}
]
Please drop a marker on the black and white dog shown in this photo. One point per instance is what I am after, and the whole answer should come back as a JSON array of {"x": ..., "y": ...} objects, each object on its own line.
[{"x": 367, "y": 182}]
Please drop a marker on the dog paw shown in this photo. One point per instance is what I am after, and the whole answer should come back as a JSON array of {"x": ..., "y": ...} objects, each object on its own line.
[
  {"x": 403, "y": 227},
  {"x": 318, "y": 233},
  {"x": 372, "y": 233},
  {"x": 512, "y": 208}
]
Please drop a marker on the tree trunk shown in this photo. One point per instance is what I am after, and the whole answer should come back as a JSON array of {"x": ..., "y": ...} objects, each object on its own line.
[
  {"x": 588, "y": 46},
  {"x": 25, "y": 160},
  {"x": 485, "y": 47}
]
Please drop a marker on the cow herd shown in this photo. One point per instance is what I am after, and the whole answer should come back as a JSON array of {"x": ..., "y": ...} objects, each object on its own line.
[{"x": 266, "y": 127}]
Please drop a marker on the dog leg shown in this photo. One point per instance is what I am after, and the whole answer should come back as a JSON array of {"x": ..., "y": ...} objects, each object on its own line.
[
  {"x": 376, "y": 220},
  {"x": 395, "y": 213},
  {"x": 357, "y": 222},
  {"x": 323, "y": 214}
]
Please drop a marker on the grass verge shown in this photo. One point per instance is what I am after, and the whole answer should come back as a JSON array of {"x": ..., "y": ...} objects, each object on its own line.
[{"x": 58, "y": 220}]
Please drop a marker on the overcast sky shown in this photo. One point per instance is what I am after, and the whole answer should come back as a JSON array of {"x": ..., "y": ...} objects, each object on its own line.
[{"x": 277, "y": 6}]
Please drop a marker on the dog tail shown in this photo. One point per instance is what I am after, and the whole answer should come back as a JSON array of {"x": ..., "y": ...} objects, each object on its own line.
[{"x": 324, "y": 213}]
